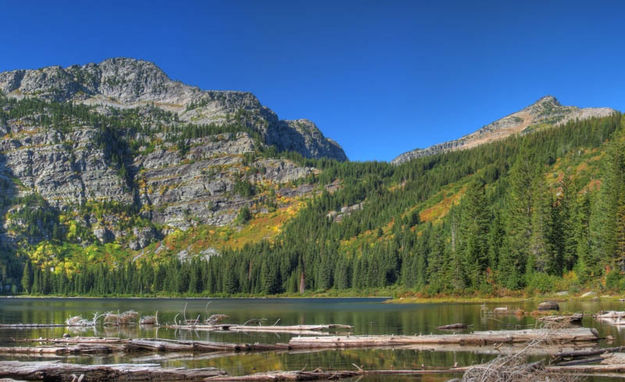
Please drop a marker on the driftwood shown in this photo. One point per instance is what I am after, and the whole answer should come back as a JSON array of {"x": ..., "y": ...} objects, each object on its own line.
[
  {"x": 576, "y": 354},
  {"x": 586, "y": 369},
  {"x": 196, "y": 346},
  {"x": 215, "y": 319},
  {"x": 318, "y": 374},
  {"x": 31, "y": 326},
  {"x": 53, "y": 371},
  {"x": 292, "y": 329},
  {"x": 521, "y": 372},
  {"x": 616, "y": 318},
  {"x": 610, "y": 314},
  {"x": 613, "y": 359},
  {"x": 458, "y": 325},
  {"x": 570, "y": 336},
  {"x": 76, "y": 340},
  {"x": 184, "y": 348},
  {"x": 569, "y": 319},
  {"x": 475, "y": 338},
  {"x": 87, "y": 345},
  {"x": 149, "y": 320},
  {"x": 61, "y": 350},
  {"x": 121, "y": 319}
]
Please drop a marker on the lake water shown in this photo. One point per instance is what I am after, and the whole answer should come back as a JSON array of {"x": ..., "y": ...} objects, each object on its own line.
[{"x": 368, "y": 316}]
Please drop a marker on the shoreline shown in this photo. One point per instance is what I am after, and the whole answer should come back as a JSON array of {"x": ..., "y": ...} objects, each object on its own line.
[{"x": 383, "y": 299}]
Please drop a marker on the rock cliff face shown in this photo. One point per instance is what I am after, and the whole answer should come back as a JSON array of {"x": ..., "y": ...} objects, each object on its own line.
[
  {"x": 130, "y": 83},
  {"x": 547, "y": 111},
  {"x": 128, "y": 155}
]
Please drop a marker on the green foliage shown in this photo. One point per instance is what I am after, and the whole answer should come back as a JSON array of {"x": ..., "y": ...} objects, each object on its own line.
[
  {"x": 244, "y": 188},
  {"x": 36, "y": 219},
  {"x": 244, "y": 215},
  {"x": 512, "y": 227},
  {"x": 542, "y": 282}
]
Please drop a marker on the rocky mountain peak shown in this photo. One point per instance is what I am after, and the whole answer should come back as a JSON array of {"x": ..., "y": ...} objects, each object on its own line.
[
  {"x": 131, "y": 83},
  {"x": 547, "y": 111},
  {"x": 548, "y": 99}
]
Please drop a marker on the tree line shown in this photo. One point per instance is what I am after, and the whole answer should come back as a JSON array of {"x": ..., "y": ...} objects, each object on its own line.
[{"x": 515, "y": 227}]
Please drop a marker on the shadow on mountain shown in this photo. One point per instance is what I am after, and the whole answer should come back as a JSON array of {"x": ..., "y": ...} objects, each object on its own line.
[{"x": 10, "y": 267}]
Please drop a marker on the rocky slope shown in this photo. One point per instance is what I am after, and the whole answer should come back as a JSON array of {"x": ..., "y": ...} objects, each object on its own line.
[
  {"x": 130, "y": 83},
  {"x": 547, "y": 111},
  {"x": 117, "y": 152}
]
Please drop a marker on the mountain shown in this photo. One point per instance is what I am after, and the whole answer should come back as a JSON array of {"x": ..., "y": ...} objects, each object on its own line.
[
  {"x": 547, "y": 111},
  {"x": 118, "y": 153},
  {"x": 115, "y": 180},
  {"x": 129, "y": 83}
]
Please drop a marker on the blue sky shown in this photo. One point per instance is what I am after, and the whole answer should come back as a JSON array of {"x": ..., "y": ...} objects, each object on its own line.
[{"x": 379, "y": 77}]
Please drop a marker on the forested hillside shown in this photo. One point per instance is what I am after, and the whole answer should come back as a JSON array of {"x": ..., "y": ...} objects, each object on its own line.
[{"x": 539, "y": 212}]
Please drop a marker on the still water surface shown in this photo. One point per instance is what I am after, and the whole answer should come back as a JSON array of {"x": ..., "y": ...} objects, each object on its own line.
[{"x": 368, "y": 316}]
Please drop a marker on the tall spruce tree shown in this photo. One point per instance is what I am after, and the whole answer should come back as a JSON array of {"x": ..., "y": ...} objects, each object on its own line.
[
  {"x": 515, "y": 253},
  {"x": 541, "y": 252},
  {"x": 475, "y": 226}
]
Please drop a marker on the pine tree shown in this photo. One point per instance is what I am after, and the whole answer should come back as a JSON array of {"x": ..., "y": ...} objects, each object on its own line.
[
  {"x": 475, "y": 225},
  {"x": 540, "y": 248},
  {"x": 586, "y": 265},
  {"x": 606, "y": 225},
  {"x": 564, "y": 236},
  {"x": 27, "y": 278},
  {"x": 515, "y": 252}
]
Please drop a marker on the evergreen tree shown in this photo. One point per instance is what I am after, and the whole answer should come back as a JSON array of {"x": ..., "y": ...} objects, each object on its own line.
[
  {"x": 541, "y": 253},
  {"x": 519, "y": 215},
  {"x": 475, "y": 226}
]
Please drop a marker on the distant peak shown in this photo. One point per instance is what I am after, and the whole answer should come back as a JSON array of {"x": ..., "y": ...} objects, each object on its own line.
[
  {"x": 126, "y": 61},
  {"x": 548, "y": 99},
  {"x": 130, "y": 63}
]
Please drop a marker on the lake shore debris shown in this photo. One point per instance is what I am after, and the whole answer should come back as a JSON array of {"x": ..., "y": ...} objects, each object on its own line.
[
  {"x": 532, "y": 342},
  {"x": 56, "y": 371},
  {"x": 87, "y": 345},
  {"x": 573, "y": 319},
  {"x": 458, "y": 325}
]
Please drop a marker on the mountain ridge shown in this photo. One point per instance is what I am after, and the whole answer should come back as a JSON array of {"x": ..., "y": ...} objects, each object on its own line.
[
  {"x": 545, "y": 111},
  {"x": 131, "y": 83},
  {"x": 117, "y": 153}
]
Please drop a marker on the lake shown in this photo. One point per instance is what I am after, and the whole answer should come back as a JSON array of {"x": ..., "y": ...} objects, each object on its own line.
[{"x": 368, "y": 316}]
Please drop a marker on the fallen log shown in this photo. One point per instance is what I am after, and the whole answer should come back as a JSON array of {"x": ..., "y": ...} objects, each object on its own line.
[
  {"x": 292, "y": 329},
  {"x": 586, "y": 369},
  {"x": 613, "y": 359},
  {"x": 583, "y": 361},
  {"x": 61, "y": 350},
  {"x": 31, "y": 326},
  {"x": 577, "y": 335},
  {"x": 76, "y": 340},
  {"x": 54, "y": 371},
  {"x": 475, "y": 338},
  {"x": 319, "y": 374},
  {"x": 615, "y": 314},
  {"x": 586, "y": 353},
  {"x": 458, "y": 325},
  {"x": 155, "y": 345},
  {"x": 568, "y": 319},
  {"x": 160, "y": 345}
]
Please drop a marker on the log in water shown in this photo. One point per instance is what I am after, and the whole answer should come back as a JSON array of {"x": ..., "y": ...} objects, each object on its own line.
[
  {"x": 32, "y": 326},
  {"x": 54, "y": 371},
  {"x": 569, "y": 336},
  {"x": 475, "y": 338},
  {"x": 292, "y": 329}
]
